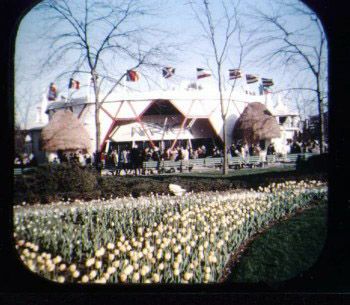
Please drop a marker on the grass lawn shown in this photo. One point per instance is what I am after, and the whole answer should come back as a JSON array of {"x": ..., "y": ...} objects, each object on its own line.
[{"x": 285, "y": 250}]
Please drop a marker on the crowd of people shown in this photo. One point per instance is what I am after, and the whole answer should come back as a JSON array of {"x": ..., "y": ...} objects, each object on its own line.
[
  {"x": 79, "y": 158},
  {"x": 25, "y": 160},
  {"x": 292, "y": 147},
  {"x": 130, "y": 161},
  {"x": 310, "y": 146}
]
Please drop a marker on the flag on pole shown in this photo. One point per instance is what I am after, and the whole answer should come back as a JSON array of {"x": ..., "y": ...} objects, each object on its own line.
[
  {"x": 251, "y": 78},
  {"x": 201, "y": 73},
  {"x": 73, "y": 84},
  {"x": 235, "y": 73},
  {"x": 267, "y": 82},
  {"x": 168, "y": 72},
  {"x": 267, "y": 90},
  {"x": 264, "y": 89},
  {"x": 132, "y": 76},
  {"x": 52, "y": 92}
]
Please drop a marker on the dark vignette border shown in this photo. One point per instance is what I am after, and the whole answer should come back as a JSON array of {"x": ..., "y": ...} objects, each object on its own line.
[{"x": 326, "y": 282}]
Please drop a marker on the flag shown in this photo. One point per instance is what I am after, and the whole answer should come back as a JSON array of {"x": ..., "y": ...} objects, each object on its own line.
[
  {"x": 264, "y": 89},
  {"x": 168, "y": 72},
  {"x": 267, "y": 90},
  {"x": 235, "y": 73},
  {"x": 267, "y": 82},
  {"x": 132, "y": 76},
  {"x": 251, "y": 78},
  {"x": 52, "y": 92},
  {"x": 73, "y": 84},
  {"x": 201, "y": 73}
]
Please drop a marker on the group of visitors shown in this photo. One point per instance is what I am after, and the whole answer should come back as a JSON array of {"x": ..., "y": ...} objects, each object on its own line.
[
  {"x": 79, "y": 158},
  {"x": 292, "y": 147},
  {"x": 25, "y": 160},
  {"x": 310, "y": 146},
  {"x": 130, "y": 160}
]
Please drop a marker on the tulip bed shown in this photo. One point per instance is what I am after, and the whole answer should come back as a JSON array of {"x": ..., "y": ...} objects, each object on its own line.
[{"x": 155, "y": 239}]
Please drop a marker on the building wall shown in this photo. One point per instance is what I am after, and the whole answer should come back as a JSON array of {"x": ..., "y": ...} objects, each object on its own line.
[{"x": 125, "y": 111}]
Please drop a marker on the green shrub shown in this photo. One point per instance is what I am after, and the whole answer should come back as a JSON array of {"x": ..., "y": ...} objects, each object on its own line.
[
  {"x": 56, "y": 182},
  {"x": 318, "y": 163},
  {"x": 46, "y": 183}
]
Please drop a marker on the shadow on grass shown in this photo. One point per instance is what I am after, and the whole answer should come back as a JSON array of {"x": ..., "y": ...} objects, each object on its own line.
[{"x": 284, "y": 251}]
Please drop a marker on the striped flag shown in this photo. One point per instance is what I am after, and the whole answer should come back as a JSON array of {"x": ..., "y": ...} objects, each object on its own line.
[
  {"x": 201, "y": 73},
  {"x": 52, "y": 92},
  {"x": 132, "y": 76},
  {"x": 267, "y": 82},
  {"x": 73, "y": 84},
  {"x": 235, "y": 73},
  {"x": 251, "y": 78},
  {"x": 168, "y": 72}
]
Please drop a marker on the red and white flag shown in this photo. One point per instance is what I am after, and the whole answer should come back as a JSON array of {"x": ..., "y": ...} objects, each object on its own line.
[
  {"x": 201, "y": 73},
  {"x": 74, "y": 84},
  {"x": 251, "y": 78},
  {"x": 267, "y": 82},
  {"x": 235, "y": 73}
]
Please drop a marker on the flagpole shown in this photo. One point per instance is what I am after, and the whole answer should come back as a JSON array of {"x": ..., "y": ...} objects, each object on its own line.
[
  {"x": 161, "y": 82},
  {"x": 244, "y": 76},
  {"x": 265, "y": 93}
]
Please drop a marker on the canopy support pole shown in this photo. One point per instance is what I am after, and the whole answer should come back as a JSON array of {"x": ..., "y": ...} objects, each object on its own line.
[
  {"x": 177, "y": 136},
  {"x": 141, "y": 124},
  {"x": 112, "y": 126}
]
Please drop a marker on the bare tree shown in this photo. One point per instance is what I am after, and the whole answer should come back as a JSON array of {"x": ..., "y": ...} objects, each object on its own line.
[
  {"x": 24, "y": 102},
  {"x": 100, "y": 36},
  {"x": 302, "y": 46},
  {"x": 220, "y": 42}
]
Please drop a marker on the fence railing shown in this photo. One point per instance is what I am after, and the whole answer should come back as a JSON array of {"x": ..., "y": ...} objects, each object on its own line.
[
  {"x": 217, "y": 162},
  {"x": 209, "y": 162}
]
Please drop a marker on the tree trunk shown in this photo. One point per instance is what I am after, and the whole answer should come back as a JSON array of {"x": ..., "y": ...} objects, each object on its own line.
[
  {"x": 320, "y": 116},
  {"x": 321, "y": 124},
  {"x": 223, "y": 116},
  {"x": 98, "y": 126},
  {"x": 225, "y": 165}
]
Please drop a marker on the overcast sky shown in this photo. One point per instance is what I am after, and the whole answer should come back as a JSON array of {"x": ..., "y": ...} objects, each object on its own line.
[{"x": 176, "y": 19}]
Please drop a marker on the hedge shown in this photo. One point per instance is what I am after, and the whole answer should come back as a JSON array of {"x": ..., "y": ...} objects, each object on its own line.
[{"x": 69, "y": 182}]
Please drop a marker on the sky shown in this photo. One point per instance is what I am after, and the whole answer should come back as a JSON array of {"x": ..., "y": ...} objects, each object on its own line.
[{"x": 176, "y": 24}]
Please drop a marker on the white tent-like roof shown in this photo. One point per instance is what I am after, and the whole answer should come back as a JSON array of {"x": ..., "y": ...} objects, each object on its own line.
[{"x": 127, "y": 108}]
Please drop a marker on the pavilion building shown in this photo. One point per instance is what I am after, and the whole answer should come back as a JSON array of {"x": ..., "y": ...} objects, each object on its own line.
[{"x": 166, "y": 118}]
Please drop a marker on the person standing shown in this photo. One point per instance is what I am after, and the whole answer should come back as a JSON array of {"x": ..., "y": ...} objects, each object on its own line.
[
  {"x": 115, "y": 160},
  {"x": 124, "y": 160},
  {"x": 256, "y": 150},
  {"x": 156, "y": 154},
  {"x": 103, "y": 159},
  {"x": 134, "y": 159},
  {"x": 173, "y": 154},
  {"x": 185, "y": 156},
  {"x": 271, "y": 149}
]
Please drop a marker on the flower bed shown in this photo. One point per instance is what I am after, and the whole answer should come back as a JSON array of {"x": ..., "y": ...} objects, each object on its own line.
[{"x": 165, "y": 239}]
